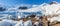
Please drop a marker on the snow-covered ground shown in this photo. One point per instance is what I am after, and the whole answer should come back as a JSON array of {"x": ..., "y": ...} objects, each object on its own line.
[{"x": 43, "y": 9}]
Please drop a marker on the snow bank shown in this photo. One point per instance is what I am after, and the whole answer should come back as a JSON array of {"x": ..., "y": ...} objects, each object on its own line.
[{"x": 54, "y": 19}]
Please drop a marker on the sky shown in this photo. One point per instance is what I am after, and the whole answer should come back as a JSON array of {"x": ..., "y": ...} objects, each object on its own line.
[{"x": 18, "y": 2}]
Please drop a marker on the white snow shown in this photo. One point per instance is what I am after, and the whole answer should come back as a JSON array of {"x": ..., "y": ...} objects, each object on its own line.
[
  {"x": 47, "y": 9},
  {"x": 19, "y": 23},
  {"x": 50, "y": 9},
  {"x": 28, "y": 23},
  {"x": 10, "y": 21},
  {"x": 2, "y": 23},
  {"x": 53, "y": 19}
]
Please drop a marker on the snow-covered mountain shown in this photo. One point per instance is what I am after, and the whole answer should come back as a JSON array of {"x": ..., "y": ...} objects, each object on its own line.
[
  {"x": 32, "y": 10},
  {"x": 52, "y": 8},
  {"x": 21, "y": 11},
  {"x": 43, "y": 9}
]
